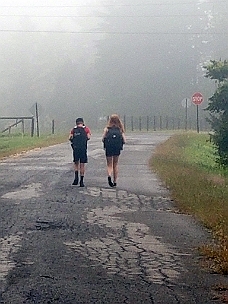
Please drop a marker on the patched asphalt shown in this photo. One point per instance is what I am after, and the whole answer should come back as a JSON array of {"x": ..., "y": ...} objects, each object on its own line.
[{"x": 65, "y": 244}]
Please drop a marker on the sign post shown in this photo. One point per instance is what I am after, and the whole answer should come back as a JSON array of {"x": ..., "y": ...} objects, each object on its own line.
[
  {"x": 197, "y": 99},
  {"x": 186, "y": 103},
  {"x": 36, "y": 109}
]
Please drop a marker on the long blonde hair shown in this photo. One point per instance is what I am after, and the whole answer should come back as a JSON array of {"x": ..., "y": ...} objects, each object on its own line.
[{"x": 114, "y": 121}]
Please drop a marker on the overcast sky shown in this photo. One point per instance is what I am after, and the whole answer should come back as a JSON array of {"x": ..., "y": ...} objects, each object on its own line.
[
  {"x": 49, "y": 14},
  {"x": 123, "y": 52}
]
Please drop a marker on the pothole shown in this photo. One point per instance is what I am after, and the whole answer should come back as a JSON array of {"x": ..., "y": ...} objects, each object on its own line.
[
  {"x": 8, "y": 245},
  {"x": 25, "y": 192}
]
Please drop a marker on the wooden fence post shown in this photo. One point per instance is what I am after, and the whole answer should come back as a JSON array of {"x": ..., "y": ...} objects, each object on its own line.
[
  {"x": 23, "y": 126},
  {"x": 124, "y": 121},
  {"x": 53, "y": 127},
  {"x": 32, "y": 126},
  {"x": 178, "y": 123},
  {"x": 167, "y": 123},
  {"x": 147, "y": 123},
  {"x": 154, "y": 123}
]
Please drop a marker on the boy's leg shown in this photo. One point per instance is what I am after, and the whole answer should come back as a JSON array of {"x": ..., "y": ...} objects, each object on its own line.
[
  {"x": 83, "y": 161},
  {"x": 75, "y": 182},
  {"x": 82, "y": 173},
  {"x": 82, "y": 169},
  {"x": 76, "y": 163}
]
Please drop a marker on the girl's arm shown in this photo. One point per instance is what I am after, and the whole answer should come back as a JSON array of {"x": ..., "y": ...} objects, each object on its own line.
[{"x": 124, "y": 138}]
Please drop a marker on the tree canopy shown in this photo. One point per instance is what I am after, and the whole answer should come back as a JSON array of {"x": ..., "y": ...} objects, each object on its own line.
[{"x": 218, "y": 108}]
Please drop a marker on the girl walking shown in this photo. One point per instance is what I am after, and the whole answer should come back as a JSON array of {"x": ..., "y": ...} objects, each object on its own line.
[{"x": 113, "y": 139}]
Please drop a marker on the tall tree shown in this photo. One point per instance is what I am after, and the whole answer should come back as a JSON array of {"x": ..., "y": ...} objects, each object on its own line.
[{"x": 218, "y": 108}]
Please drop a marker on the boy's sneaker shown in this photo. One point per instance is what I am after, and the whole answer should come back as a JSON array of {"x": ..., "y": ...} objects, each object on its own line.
[
  {"x": 81, "y": 184},
  {"x": 114, "y": 184},
  {"x": 75, "y": 182}
]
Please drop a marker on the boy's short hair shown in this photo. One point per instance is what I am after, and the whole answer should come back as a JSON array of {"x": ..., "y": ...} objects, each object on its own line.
[{"x": 79, "y": 120}]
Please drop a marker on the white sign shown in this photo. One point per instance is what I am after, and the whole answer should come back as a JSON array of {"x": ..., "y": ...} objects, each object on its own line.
[{"x": 186, "y": 102}]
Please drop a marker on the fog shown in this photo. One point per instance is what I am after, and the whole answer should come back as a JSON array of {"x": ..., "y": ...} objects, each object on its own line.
[{"x": 92, "y": 58}]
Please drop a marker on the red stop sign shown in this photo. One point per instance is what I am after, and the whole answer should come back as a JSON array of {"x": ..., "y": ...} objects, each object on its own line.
[{"x": 197, "y": 98}]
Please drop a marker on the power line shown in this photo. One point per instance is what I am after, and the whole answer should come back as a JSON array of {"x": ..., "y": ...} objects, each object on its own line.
[
  {"x": 107, "y": 16},
  {"x": 111, "y": 5},
  {"x": 116, "y": 33}
]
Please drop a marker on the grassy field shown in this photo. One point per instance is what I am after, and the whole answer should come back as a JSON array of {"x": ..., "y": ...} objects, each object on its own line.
[
  {"x": 187, "y": 165},
  {"x": 10, "y": 145}
]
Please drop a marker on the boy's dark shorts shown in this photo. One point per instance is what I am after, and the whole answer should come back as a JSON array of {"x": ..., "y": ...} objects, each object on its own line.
[{"x": 80, "y": 155}]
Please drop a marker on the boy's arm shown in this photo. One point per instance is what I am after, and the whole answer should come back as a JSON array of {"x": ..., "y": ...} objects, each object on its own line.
[
  {"x": 88, "y": 133},
  {"x": 71, "y": 135}
]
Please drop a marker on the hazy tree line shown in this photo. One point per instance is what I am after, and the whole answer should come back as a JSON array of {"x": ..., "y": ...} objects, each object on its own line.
[{"x": 146, "y": 59}]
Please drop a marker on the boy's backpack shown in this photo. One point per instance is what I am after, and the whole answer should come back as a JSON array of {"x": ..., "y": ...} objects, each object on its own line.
[
  {"x": 113, "y": 138},
  {"x": 79, "y": 139}
]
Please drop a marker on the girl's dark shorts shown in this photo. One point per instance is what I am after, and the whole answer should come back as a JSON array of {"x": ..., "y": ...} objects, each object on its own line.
[
  {"x": 112, "y": 152},
  {"x": 80, "y": 155}
]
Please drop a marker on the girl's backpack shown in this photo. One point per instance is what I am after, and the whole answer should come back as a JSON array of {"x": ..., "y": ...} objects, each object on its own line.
[{"x": 113, "y": 138}]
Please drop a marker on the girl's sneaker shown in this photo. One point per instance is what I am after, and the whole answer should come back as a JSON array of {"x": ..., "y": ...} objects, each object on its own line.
[{"x": 110, "y": 181}]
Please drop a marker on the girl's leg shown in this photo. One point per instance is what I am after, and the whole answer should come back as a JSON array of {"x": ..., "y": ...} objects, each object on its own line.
[
  {"x": 115, "y": 168},
  {"x": 109, "y": 165},
  {"x": 109, "y": 169}
]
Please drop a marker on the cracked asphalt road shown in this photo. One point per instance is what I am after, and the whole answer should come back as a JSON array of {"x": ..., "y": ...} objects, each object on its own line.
[{"x": 70, "y": 245}]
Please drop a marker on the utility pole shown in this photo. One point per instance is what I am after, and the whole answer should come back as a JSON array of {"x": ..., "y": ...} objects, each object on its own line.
[{"x": 186, "y": 114}]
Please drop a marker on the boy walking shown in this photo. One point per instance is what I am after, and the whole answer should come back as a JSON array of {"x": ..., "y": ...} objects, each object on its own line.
[{"x": 79, "y": 137}]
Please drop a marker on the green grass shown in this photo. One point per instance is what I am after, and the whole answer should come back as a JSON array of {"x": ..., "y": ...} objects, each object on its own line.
[
  {"x": 10, "y": 145},
  {"x": 187, "y": 165},
  {"x": 198, "y": 150}
]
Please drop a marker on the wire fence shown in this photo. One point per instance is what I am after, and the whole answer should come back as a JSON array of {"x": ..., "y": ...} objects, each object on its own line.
[
  {"x": 131, "y": 124},
  {"x": 155, "y": 123}
]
